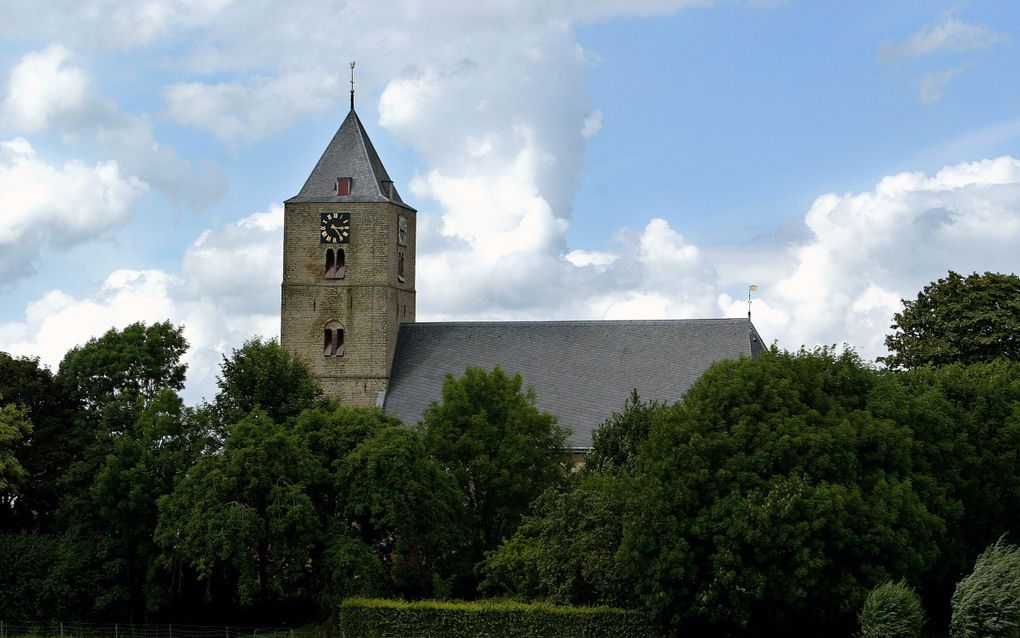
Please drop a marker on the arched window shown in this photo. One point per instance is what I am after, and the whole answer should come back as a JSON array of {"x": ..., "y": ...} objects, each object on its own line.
[{"x": 333, "y": 340}]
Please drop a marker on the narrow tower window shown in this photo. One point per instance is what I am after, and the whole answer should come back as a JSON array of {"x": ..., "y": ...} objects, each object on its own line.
[
  {"x": 400, "y": 266},
  {"x": 336, "y": 263},
  {"x": 333, "y": 340},
  {"x": 341, "y": 264},
  {"x": 330, "y": 263},
  {"x": 343, "y": 186}
]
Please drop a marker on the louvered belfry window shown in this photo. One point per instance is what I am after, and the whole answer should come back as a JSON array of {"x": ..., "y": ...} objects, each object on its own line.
[
  {"x": 333, "y": 342},
  {"x": 336, "y": 263}
]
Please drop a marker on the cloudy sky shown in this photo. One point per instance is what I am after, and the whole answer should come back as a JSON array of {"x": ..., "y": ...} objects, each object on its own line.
[{"x": 597, "y": 159}]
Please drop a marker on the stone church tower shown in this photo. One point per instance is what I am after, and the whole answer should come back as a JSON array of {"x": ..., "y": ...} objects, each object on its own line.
[{"x": 348, "y": 269}]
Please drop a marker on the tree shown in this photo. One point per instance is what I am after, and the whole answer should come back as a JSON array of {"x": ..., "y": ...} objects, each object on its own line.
[
  {"x": 143, "y": 466},
  {"x": 136, "y": 362},
  {"x": 243, "y": 514},
  {"x": 46, "y": 454},
  {"x": 616, "y": 441},
  {"x": 958, "y": 320},
  {"x": 892, "y": 610},
  {"x": 986, "y": 603},
  {"x": 262, "y": 374},
  {"x": 379, "y": 481},
  {"x": 502, "y": 450},
  {"x": 14, "y": 426},
  {"x": 404, "y": 507},
  {"x": 775, "y": 495},
  {"x": 566, "y": 549},
  {"x": 966, "y": 421}
]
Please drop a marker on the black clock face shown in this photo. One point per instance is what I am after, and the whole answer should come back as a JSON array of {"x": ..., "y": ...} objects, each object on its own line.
[{"x": 334, "y": 228}]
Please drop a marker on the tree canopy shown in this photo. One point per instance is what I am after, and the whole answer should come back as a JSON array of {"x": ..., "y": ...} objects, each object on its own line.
[
  {"x": 958, "y": 319},
  {"x": 262, "y": 374},
  {"x": 137, "y": 361},
  {"x": 501, "y": 449}
]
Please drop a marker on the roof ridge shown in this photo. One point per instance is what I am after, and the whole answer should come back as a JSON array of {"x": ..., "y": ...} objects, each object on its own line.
[
  {"x": 362, "y": 136},
  {"x": 577, "y": 321}
]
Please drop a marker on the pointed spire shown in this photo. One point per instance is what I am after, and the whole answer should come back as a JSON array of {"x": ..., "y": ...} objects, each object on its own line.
[{"x": 350, "y": 154}]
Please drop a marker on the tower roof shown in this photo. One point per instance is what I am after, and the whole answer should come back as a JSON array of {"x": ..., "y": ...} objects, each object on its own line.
[{"x": 350, "y": 154}]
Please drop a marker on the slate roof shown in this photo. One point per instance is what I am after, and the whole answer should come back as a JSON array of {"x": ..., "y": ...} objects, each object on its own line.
[
  {"x": 582, "y": 371},
  {"x": 350, "y": 154}
]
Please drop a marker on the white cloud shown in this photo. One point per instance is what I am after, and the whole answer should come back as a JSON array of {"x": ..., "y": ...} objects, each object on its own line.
[
  {"x": 933, "y": 84},
  {"x": 238, "y": 267},
  {"x": 226, "y": 291},
  {"x": 45, "y": 92},
  {"x": 43, "y": 87},
  {"x": 582, "y": 258},
  {"x": 592, "y": 125},
  {"x": 948, "y": 34},
  {"x": 249, "y": 112},
  {"x": 868, "y": 250},
  {"x": 57, "y": 206}
]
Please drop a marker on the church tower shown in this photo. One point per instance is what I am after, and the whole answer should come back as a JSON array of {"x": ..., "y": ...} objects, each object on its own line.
[{"x": 348, "y": 269}]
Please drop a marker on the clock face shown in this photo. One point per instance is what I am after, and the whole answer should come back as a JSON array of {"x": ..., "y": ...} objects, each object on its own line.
[{"x": 334, "y": 228}]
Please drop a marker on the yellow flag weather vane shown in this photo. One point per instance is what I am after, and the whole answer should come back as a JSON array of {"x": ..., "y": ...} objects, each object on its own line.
[{"x": 750, "y": 289}]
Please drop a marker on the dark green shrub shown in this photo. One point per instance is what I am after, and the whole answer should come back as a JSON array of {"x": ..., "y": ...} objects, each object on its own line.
[
  {"x": 986, "y": 603},
  {"x": 375, "y": 618},
  {"x": 892, "y": 610}
]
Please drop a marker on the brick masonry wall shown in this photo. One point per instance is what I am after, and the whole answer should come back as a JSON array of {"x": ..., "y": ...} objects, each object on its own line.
[{"x": 369, "y": 303}]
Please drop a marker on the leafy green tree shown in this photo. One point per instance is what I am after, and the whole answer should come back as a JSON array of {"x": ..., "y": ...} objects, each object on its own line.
[
  {"x": 566, "y": 549},
  {"x": 892, "y": 610},
  {"x": 136, "y": 362},
  {"x": 379, "y": 480},
  {"x": 404, "y": 507},
  {"x": 262, "y": 374},
  {"x": 502, "y": 450},
  {"x": 616, "y": 441},
  {"x": 244, "y": 514},
  {"x": 966, "y": 421},
  {"x": 53, "y": 576},
  {"x": 14, "y": 426},
  {"x": 775, "y": 495},
  {"x": 986, "y": 603},
  {"x": 143, "y": 466},
  {"x": 958, "y": 320},
  {"x": 46, "y": 454}
]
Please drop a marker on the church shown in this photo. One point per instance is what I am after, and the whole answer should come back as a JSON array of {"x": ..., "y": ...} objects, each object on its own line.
[{"x": 348, "y": 311}]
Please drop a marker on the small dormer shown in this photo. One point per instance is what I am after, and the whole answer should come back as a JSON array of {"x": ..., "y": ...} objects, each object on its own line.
[{"x": 343, "y": 186}]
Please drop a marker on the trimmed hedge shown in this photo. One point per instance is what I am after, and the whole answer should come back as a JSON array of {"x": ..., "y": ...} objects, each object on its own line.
[{"x": 375, "y": 618}]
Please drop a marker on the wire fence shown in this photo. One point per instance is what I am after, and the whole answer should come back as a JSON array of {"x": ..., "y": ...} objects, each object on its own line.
[{"x": 57, "y": 629}]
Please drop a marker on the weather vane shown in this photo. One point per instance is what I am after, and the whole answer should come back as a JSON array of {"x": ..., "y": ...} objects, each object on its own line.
[{"x": 352, "y": 86}]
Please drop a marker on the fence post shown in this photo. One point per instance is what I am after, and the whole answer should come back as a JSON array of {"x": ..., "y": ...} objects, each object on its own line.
[
  {"x": 171, "y": 631},
  {"x": 116, "y": 633},
  {"x": 61, "y": 629},
  {"x": 226, "y": 632}
]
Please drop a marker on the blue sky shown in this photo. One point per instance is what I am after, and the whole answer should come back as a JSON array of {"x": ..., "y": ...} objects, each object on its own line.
[{"x": 644, "y": 159}]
